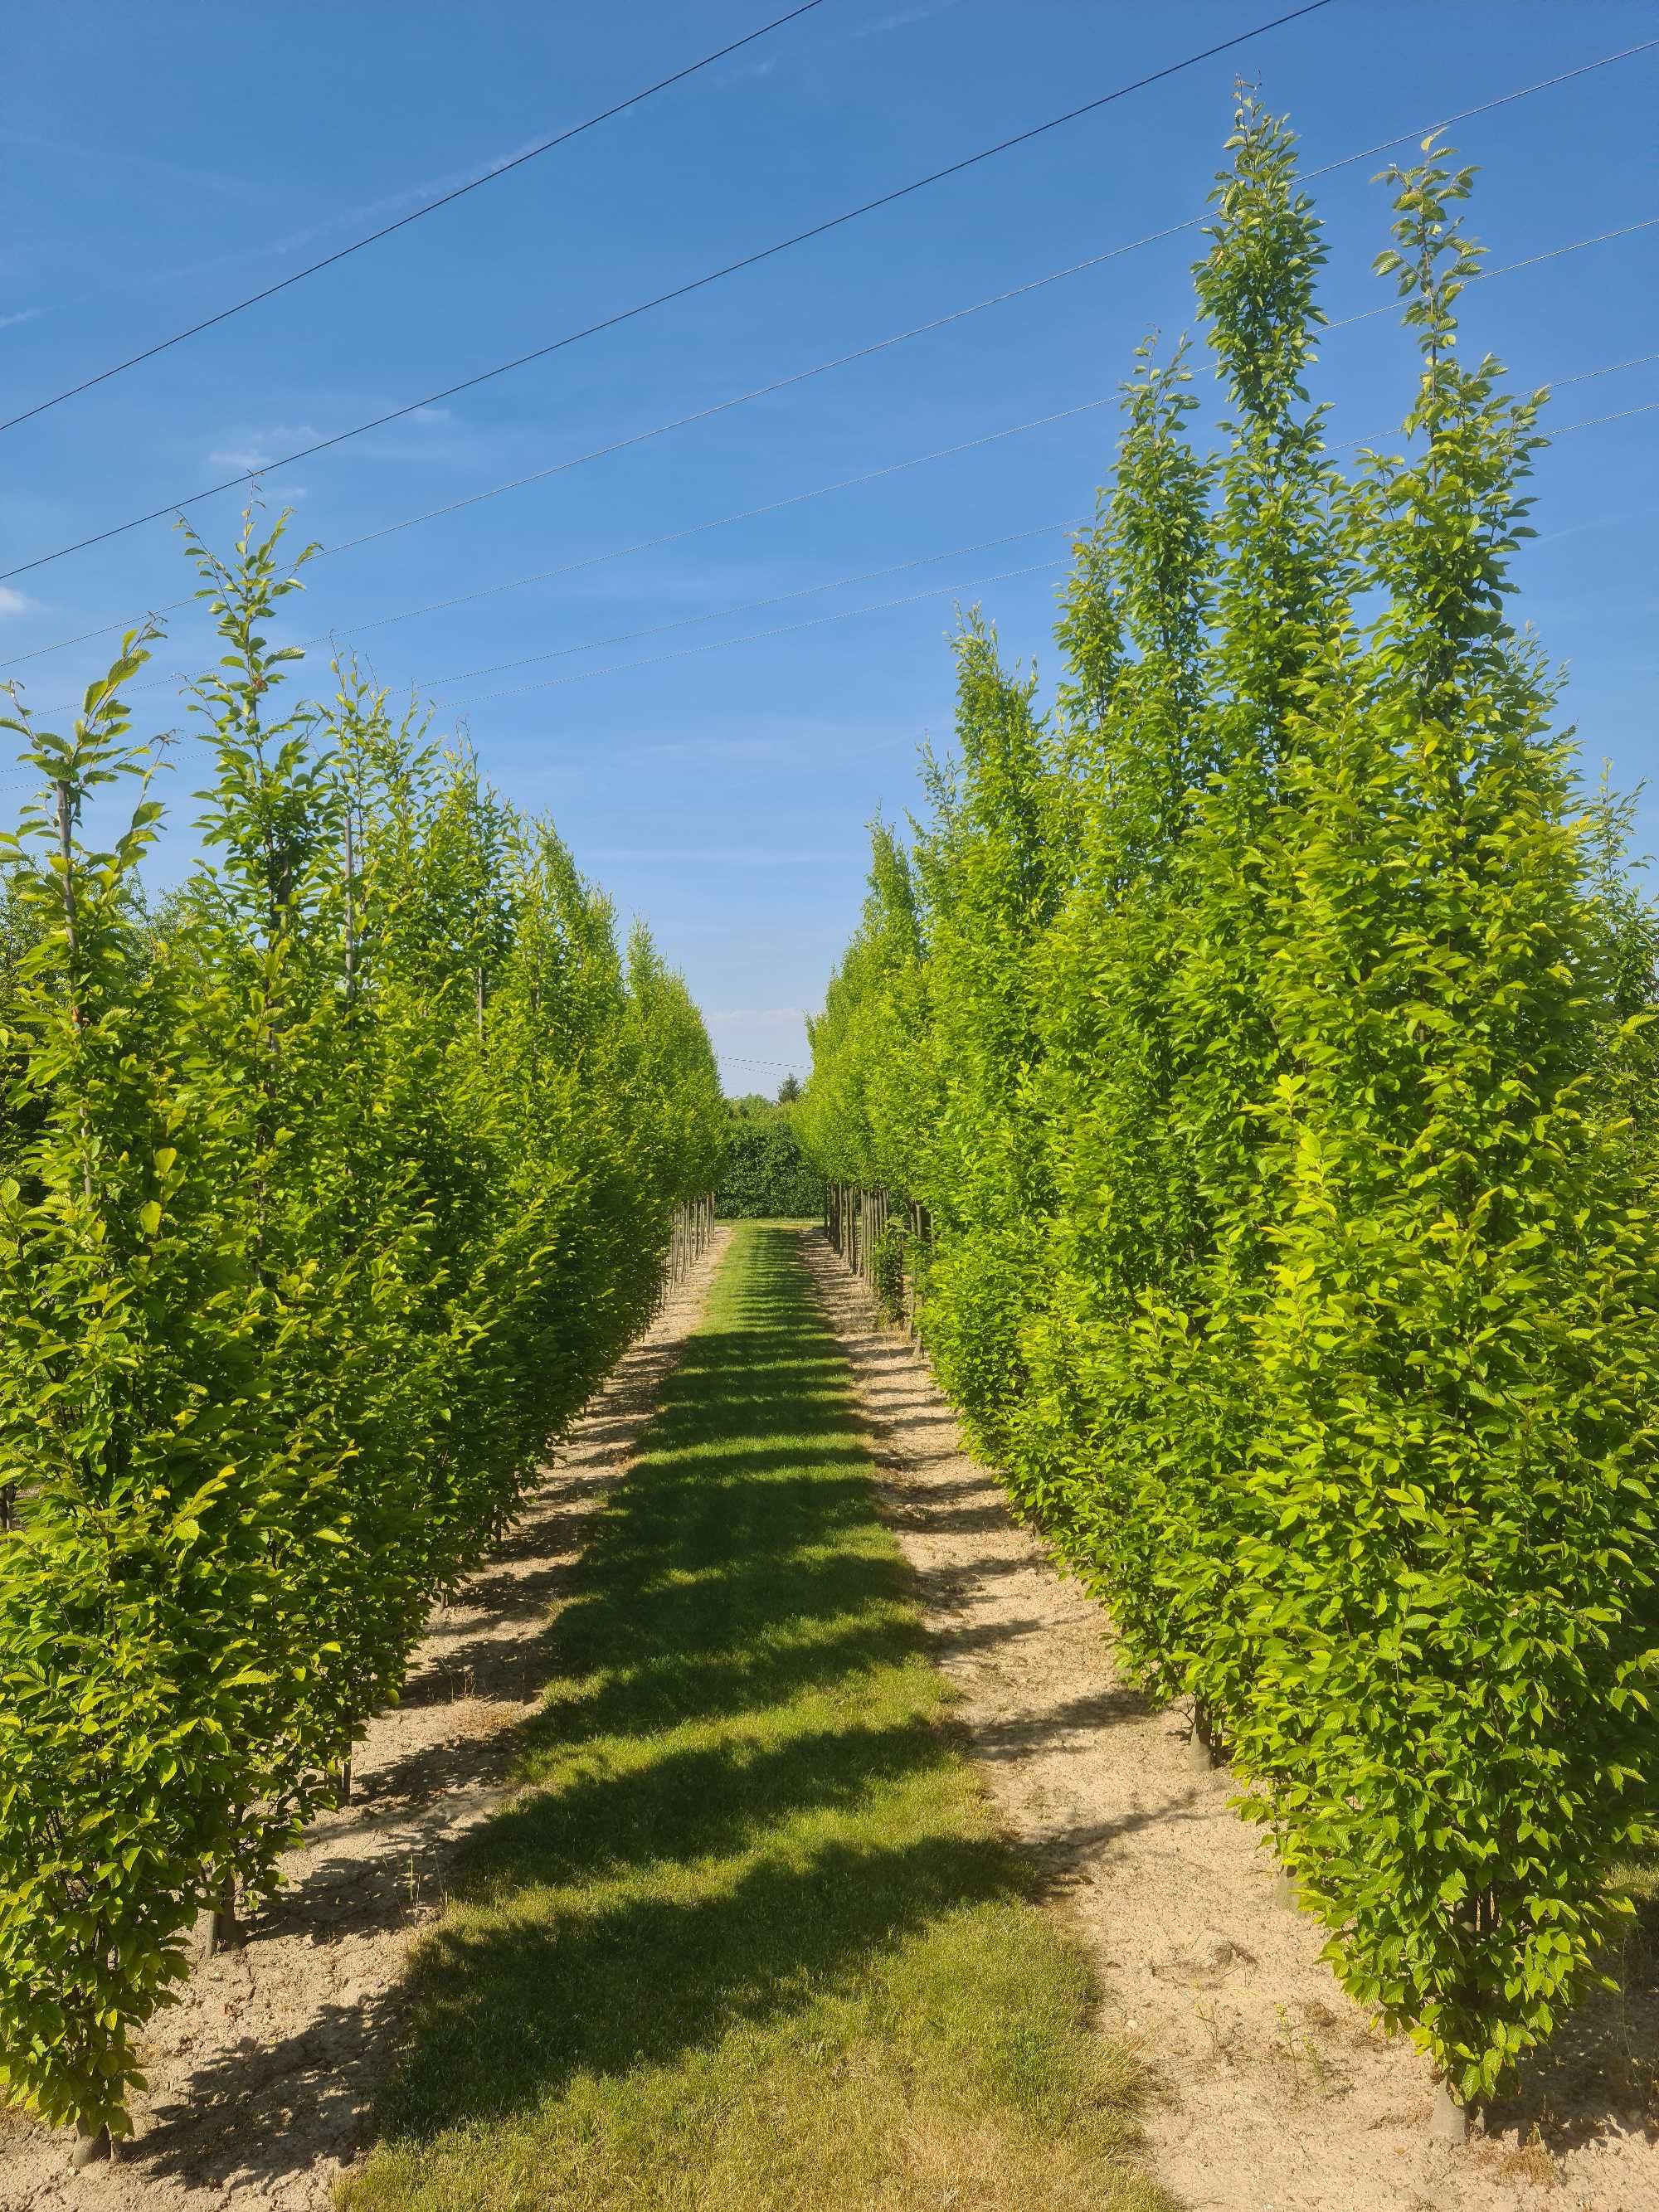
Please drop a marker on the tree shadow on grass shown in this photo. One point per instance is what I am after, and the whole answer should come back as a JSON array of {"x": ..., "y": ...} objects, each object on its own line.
[
  {"x": 746, "y": 1800},
  {"x": 508, "y": 2012}
]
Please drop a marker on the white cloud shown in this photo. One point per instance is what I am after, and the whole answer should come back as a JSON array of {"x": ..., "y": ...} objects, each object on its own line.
[
  {"x": 900, "y": 17},
  {"x": 392, "y": 203},
  {"x": 28, "y": 315},
  {"x": 14, "y": 602},
  {"x": 265, "y": 448},
  {"x": 721, "y": 749},
  {"x": 117, "y": 158},
  {"x": 505, "y": 161},
  {"x": 1596, "y": 522},
  {"x": 721, "y": 856}
]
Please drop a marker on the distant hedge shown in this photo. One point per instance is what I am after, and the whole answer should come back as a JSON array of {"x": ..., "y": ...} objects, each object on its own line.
[{"x": 766, "y": 1175}]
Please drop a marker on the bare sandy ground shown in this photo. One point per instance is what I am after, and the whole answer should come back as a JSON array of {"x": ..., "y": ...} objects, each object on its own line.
[
  {"x": 261, "y": 2078},
  {"x": 1271, "y": 2094}
]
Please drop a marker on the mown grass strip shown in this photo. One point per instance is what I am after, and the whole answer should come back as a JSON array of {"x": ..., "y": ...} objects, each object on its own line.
[{"x": 753, "y": 1942}]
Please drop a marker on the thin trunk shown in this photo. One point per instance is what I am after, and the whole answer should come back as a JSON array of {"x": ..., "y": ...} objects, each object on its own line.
[{"x": 223, "y": 1933}]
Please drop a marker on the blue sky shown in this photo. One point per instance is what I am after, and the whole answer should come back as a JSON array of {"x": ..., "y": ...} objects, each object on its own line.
[{"x": 159, "y": 163}]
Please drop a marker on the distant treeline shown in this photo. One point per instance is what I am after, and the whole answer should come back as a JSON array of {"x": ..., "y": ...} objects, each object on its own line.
[{"x": 766, "y": 1175}]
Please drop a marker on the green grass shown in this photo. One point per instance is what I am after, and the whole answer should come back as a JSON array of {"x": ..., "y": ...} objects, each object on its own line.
[{"x": 752, "y": 1943}]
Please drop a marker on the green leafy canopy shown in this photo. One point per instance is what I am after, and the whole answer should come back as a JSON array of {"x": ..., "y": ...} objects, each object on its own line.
[
  {"x": 329, "y": 1190},
  {"x": 1262, "y": 1029}
]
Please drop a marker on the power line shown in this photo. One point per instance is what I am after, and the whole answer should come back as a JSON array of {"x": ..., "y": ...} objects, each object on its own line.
[
  {"x": 1509, "y": 268},
  {"x": 1636, "y": 361},
  {"x": 752, "y": 513},
  {"x": 880, "y": 606},
  {"x": 796, "y": 498},
  {"x": 879, "y": 346},
  {"x": 883, "y": 345},
  {"x": 714, "y": 645},
  {"x": 961, "y": 314},
  {"x": 920, "y": 561},
  {"x": 896, "y": 567},
  {"x": 723, "y": 521},
  {"x": 1591, "y": 423},
  {"x": 754, "y": 637},
  {"x": 614, "y": 553},
  {"x": 592, "y": 560},
  {"x": 1596, "y": 422},
  {"x": 800, "y": 498},
  {"x": 863, "y": 353},
  {"x": 677, "y": 292},
  {"x": 747, "y": 606},
  {"x": 444, "y": 199}
]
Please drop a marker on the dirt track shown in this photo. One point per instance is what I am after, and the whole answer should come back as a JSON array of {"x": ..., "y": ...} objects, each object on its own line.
[{"x": 1271, "y": 2093}]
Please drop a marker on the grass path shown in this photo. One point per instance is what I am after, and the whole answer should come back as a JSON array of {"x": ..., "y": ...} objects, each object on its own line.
[{"x": 750, "y": 1940}]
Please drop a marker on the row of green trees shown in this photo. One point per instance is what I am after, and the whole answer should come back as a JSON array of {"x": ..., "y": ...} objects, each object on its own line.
[
  {"x": 1262, "y": 1027},
  {"x": 330, "y": 1185}
]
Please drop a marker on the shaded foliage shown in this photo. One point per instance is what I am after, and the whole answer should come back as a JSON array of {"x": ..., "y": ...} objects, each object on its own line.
[{"x": 764, "y": 1175}]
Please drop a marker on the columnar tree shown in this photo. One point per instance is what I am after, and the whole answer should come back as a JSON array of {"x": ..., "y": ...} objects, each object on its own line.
[
  {"x": 1284, "y": 1003},
  {"x": 328, "y": 1191}
]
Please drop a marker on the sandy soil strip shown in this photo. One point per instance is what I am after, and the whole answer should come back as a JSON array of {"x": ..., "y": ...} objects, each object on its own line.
[
  {"x": 261, "y": 2078},
  {"x": 1271, "y": 2095}
]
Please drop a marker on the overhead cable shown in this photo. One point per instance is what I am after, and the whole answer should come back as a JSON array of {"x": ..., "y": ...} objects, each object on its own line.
[
  {"x": 1509, "y": 268},
  {"x": 843, "y": 614},
  {"x": 746, "y": 607},
  {"x": 489, "y": 176},
  {"x": 783, "y": 630},
  {"x": 663, "y": 299},
  {"x": 1591, "y": 423},
  {"x": 334, "y": 635},
  {"x": 863, "y": 353},
  {"x": 821, "y": 491}
]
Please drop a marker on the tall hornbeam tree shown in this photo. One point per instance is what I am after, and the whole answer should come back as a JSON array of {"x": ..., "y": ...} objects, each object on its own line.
[
  {"x": 329, "y": 1188},
  {"x": 1284, "y": 998}
]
